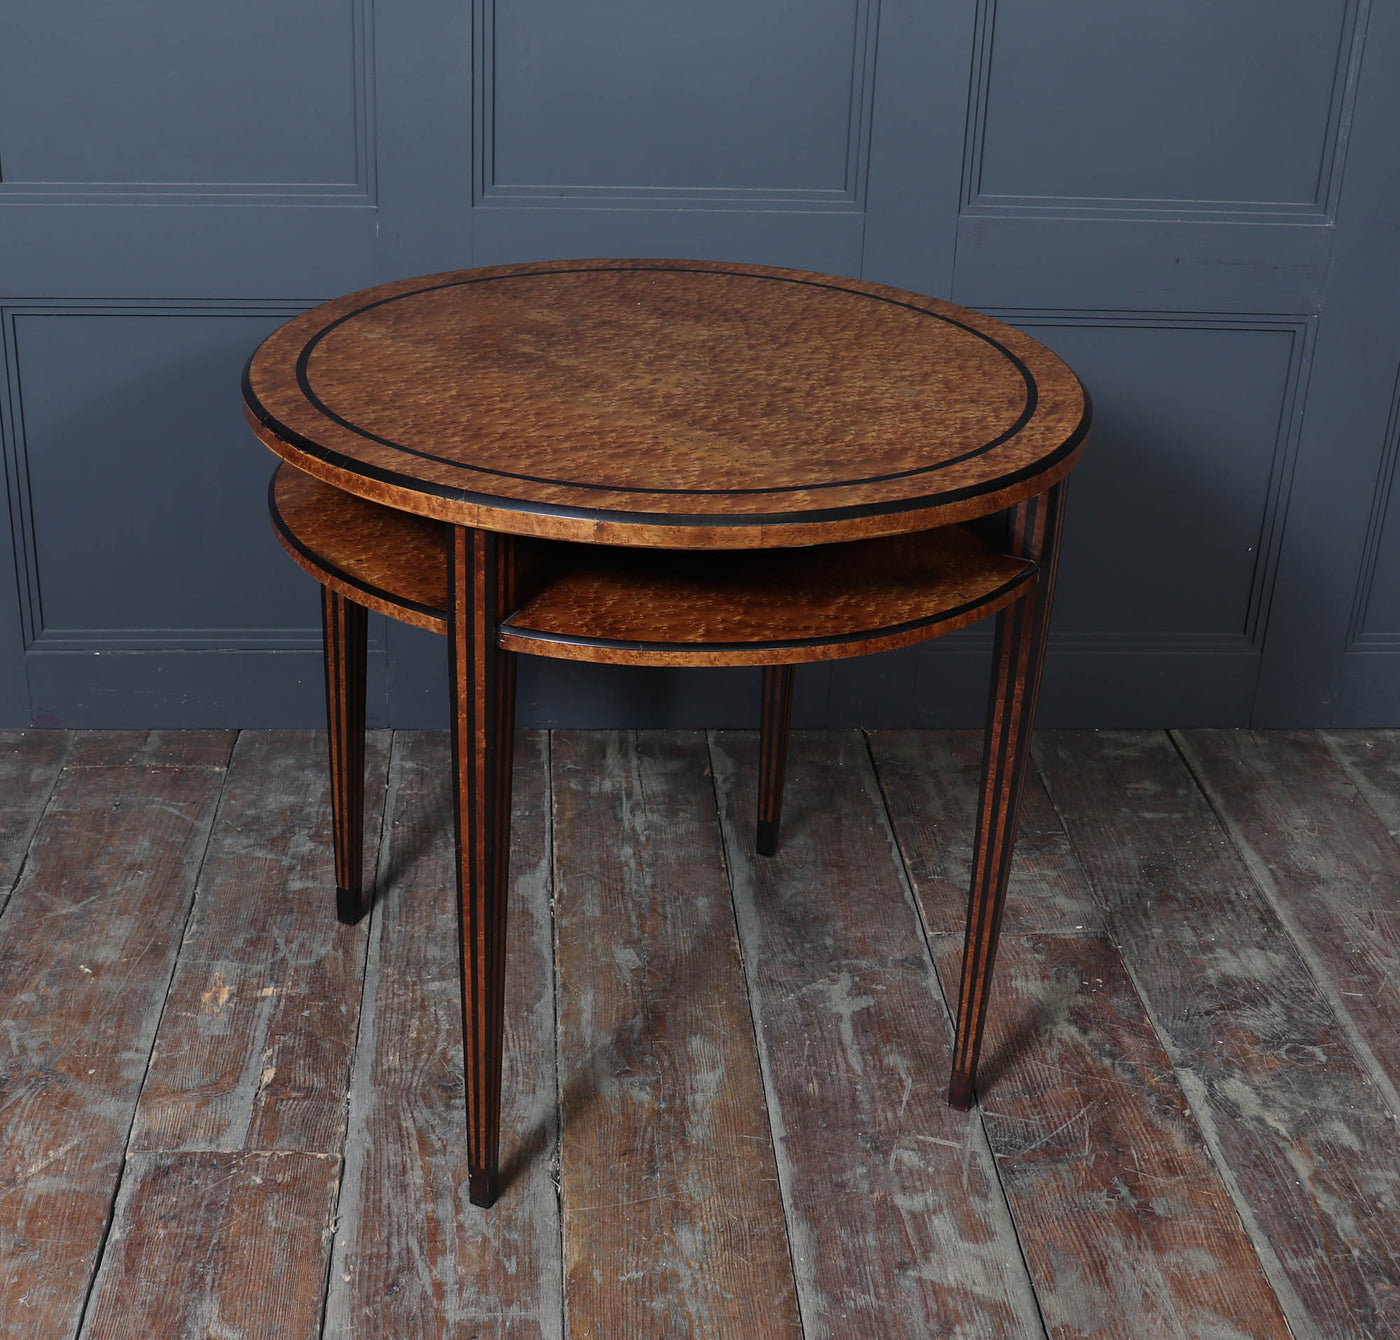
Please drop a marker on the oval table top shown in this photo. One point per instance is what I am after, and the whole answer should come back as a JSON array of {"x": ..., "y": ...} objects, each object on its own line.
[{"x": 681, "y": 404}]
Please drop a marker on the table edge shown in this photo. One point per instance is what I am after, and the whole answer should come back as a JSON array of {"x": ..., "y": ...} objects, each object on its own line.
[{"x": 668, "y": 530}]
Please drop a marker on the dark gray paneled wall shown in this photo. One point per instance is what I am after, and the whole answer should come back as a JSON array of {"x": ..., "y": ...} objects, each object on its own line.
[{"x": 1195, "y": 204}]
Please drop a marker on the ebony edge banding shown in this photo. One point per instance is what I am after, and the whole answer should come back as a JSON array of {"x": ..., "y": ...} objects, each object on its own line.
[
  {"x": 709, "y": 520},
  {"x": 340, "y": 574},
  {"x": 865, "y": 635}
]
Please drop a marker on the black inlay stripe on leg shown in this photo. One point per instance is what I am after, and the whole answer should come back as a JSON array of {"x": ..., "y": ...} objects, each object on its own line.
[{"x": 989, "y": 826}]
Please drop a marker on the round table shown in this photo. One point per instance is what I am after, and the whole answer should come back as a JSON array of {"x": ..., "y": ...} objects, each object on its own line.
[{"x": 663, "y": 463}]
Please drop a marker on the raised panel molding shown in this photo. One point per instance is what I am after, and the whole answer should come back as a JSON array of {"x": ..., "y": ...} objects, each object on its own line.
[
  {"x": 1317, "y": 208},
  {"x": 177, "y": 639},
  {"x": 844, "y": 194},
  {"x": 47, "y": 637},
  {"x": 1379, "y": 528},
  {"x": 1068, "y": 644},
  {"x": 358, "y": 186},
  {"x": 1273, "y": 500}
]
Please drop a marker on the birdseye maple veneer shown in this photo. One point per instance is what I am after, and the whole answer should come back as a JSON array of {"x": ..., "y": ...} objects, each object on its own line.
[{"x": 662, "y": 463}]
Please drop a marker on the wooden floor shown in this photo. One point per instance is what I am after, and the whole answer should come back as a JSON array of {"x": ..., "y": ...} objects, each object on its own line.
[{"x": 224, "y": 1116}]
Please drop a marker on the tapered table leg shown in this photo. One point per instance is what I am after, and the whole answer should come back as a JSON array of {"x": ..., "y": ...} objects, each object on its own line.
[
  {"x": 1017, "y": 661},
  {"x": 775, "y": 717},
  {"x": 480, "y": 576},
  {"x": 344, "y": 630}
]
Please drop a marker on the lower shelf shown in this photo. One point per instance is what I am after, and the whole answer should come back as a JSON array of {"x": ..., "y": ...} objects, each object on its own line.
[{"x": 662, "y": 607}]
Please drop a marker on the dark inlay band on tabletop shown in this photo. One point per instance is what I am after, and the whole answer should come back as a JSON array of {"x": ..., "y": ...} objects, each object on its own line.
[
  {"x": 528, "y": 507},
  {"x": 304, "y": 383}
]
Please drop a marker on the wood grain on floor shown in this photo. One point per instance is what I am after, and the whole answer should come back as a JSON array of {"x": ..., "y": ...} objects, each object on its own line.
[
  {"x": 672, "y": 1220},
  {"x": 893, "y": 1205},
  {"x": 1294, "y": 1119},
  {"x": 88, "y": 942},
  {"x": 413, "y": 1258},
  {"x": 222, "y": 1114}
]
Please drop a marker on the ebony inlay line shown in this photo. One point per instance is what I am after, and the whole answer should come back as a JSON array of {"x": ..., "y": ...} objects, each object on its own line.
[
  {"x": 344, "y": 628},
  {"x": 319, "y": 562},
  {"x": 865, "y": 635},
  {"x": 303, "y": 381},
  {"x": 1018, "y": 660},
  {"x": 470, "y": 497},
  {"x": 483, "y": 698},
  {"x": 992, "y": 849}
]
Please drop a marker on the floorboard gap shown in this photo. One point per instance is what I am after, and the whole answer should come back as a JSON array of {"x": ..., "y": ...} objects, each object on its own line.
[{"x": 774, "y": 1127}]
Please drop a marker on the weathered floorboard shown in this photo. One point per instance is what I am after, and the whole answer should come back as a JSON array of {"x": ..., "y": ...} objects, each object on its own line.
[
  {"x": 899, "y": 1225},
  {"x": 930, "y": 780},
  {"x": 87, "y": 945},
  {"x": 673, "y": 1225},
  {"x": 1328, "y": 865},
  {"x": 413, "y": 1258},
  {"x": 1372, "y": 761},
  {"x": 150, "y": 748},
  {"x": 1299, "y": 1130},
  {"x": 29, "y": 764},
  {"x": 212, "y": 1245},
  {"x": 254, "y": 1047},
  {"x": 1119, "y": 1208},
  {"x": 897, "y": 1222}
]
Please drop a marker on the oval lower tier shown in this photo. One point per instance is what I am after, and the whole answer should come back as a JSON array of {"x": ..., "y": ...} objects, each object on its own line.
[
  {"x": 764, "y": 607},
  {"x": 661, "y": 606}
]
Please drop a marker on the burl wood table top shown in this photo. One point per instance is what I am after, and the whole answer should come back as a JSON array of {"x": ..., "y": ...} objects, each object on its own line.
[{"x": 666, "y": 403}]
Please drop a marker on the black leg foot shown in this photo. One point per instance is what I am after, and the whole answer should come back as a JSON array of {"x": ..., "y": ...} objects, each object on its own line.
[
  {"x": 481, "y": 1187},
  {"x": 350, "y": 906},
  {"x": 960, "y": 1093}
]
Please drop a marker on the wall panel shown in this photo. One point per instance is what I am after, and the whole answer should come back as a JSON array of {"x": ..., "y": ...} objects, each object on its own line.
[
  {"x": 668, "y": 99},
  {"x": 1174, "y": 524},
  {"x": 1195, "y": 203},
  {"x": 1191, "y": 106},
  {"x": 1376, "y": 607},
  {"x": 1174, "y": 528},
  {"x": 151, "y": 589},
  {"x": 143, "y": 502},
  {"x": 172, "y": 98},
  {"x": 731, "y": 130}
]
